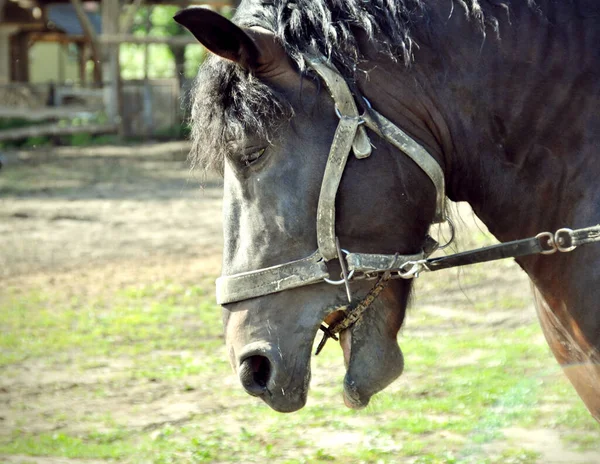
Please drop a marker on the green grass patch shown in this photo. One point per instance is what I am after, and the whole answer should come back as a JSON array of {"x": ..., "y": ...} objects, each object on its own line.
[{"x": 460, "y": 391}]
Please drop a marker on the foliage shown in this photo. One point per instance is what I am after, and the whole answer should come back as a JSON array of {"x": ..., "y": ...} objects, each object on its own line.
[{"x": 158, "y": 21}]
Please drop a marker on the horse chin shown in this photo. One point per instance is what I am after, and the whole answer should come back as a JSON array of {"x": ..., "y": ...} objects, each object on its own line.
[{"x": 372, "y": 363}]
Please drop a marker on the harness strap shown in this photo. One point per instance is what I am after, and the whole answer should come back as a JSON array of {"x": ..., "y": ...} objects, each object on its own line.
[
  {"x": 364, "y": 262},
  {"x": 563, "y": 240},
  {"x": 387, "y": 130},
  {"x": 338, "y": 155},
  {"x": 514, "y": 249},
  {"x": 348, "y": 134},
  {"x": 307, "y": 271}
]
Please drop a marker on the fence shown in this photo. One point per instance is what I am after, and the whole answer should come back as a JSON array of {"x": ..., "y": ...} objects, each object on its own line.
[{"x": 150, "y": 109}]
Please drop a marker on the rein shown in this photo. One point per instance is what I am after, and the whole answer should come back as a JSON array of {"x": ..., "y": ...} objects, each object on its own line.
[
  {"x": 351, "y": 136},
  {"x": 563, "y": 240}
]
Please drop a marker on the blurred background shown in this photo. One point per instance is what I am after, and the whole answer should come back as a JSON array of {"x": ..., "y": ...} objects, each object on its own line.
[
  {"x": 74, "y": 72},
  {"x": 111, "y": 345}
]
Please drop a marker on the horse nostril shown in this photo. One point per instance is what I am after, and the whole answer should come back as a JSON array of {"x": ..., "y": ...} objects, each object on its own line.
[{"x": 254, "y": 373}]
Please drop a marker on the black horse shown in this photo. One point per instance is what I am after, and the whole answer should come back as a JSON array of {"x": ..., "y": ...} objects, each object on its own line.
[{"x": 501, "y": 95}]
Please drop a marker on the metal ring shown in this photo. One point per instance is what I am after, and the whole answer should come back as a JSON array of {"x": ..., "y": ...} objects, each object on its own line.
[
  {"x": 452, "y": 234},
  {"x": 340, "y": 282},
  {"x": 338, "y": 113},
  {"x": 559, "y": 239},
  {"x": 340, "y": 116},
  {"x": 549, "y": 237}
]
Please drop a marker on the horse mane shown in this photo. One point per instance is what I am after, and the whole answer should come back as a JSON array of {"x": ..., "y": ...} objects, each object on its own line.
[{"x": 228, "y": 102}]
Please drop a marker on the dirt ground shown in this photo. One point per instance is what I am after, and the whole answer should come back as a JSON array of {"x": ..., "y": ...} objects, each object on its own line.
[{"x": 83, "y": 220}]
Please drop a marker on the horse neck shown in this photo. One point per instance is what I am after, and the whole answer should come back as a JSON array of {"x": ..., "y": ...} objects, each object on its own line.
[
  {"x": 512, "y": 119},
  {"x": 521, "y": 112}
]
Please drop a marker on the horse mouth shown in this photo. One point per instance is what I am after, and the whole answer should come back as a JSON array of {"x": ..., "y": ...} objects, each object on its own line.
[{"x": 352, "y": 397}]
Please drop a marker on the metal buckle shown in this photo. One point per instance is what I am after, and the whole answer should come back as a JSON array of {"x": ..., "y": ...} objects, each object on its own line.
[
  {"x": 345, "y": 275},
  {"x": 416, "y": 267},
  {"x": 563, "y": 240},
  {"x": 547, "y": 243},
  {"x": 339, "y": 114}
]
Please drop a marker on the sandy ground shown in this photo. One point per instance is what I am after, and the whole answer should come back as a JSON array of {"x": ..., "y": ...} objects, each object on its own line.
[{"x": 118, "y": 216}]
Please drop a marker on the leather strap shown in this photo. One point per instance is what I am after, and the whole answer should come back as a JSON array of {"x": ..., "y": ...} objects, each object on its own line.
[
  {"x": 338, "y": 155},
  {"x": 368, "y": 263},
  {"x": 415, "y": 151},
  {"x": 307, "y": 271},
  {"x": 528, "y": 246},
  {"x": 584, "y": 236}
]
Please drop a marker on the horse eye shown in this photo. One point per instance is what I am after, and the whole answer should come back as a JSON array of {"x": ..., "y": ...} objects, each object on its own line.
[{"x": 251, "y": 158}]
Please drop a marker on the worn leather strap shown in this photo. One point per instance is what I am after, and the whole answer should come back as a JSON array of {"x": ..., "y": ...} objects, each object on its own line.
[
  {"x": 338, "y": 155},
  {"x": 368, "y": 263},
  {"x": 307, "y": 271},
  {"x": 343, "y": 99},
  {"x": 584, "y": 236},
  {"x": 415, "y": 151},
  {"x": 348, "y": 131},
  {"x": 528, "y": 246}
]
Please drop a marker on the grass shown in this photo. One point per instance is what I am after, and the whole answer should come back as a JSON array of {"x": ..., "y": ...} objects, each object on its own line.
[{"x": 127, "y": 361}]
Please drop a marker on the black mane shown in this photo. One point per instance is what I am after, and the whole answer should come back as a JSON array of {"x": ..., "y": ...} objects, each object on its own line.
[{"x": 229, "y": 102}]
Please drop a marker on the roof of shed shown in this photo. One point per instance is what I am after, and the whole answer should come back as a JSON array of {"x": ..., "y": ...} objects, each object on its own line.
[{"x": 64, "y": 17}]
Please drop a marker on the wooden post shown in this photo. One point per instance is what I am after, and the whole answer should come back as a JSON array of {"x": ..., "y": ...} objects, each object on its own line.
[
  {"x": 82, "y": 61},
  {"x": 2, "y": 5},
  {"x": 5, "y": 61},
  {"x": 147, "y": 91},
  {"x": 111, "y": 69},
  {"x": 88, "y": 30},
  {"x": 128, "y": 21}
]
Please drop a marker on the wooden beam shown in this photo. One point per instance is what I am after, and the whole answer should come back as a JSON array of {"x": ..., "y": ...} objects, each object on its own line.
[
  {"x": 88, "y": 29},
  {"x": 113, "y": 98},
  {"x": 129, "y": 38},
  {"x": 55, "y": 130},
  {"x": 128, "y": 22},
  {"x": 45, "y": 113},
  {"x": 2, "y": 5},
  {"x": 85, "y": 22}
]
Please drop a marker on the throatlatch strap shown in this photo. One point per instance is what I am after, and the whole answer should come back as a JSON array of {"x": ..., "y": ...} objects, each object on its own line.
[
  {"x": 307, "y": 271},
  {"x": 411, "y": 148}
]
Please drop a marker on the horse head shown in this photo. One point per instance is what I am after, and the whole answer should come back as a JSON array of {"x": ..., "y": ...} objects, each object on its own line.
[{"x": 268, "y": 122}]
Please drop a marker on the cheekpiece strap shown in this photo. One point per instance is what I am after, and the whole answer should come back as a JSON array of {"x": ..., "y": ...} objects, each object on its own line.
[{"x": 349, "y": 133}]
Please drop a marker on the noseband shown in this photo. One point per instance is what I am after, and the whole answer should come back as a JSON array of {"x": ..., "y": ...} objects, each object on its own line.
[{"x": 351, "y": 136}]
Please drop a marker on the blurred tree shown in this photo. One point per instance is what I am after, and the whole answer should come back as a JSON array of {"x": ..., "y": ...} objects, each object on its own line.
[{"x": 164, "y": 60}]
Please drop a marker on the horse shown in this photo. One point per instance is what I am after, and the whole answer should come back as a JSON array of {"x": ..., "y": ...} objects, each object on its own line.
[{"x": 341, "y": 127}]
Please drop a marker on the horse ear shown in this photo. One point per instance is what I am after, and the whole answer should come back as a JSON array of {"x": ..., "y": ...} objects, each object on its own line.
[{"x": 220, "y": 35}]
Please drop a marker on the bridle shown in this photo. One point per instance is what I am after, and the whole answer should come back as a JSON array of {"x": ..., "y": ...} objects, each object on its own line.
[{"x": 351, "y": 136}]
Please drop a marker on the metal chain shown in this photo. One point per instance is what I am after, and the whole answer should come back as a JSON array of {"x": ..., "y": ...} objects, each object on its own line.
[{"x": 352, "y": 312}]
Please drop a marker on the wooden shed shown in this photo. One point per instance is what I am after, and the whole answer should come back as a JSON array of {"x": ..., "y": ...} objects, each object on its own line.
[{"x": 95, "y": 29}]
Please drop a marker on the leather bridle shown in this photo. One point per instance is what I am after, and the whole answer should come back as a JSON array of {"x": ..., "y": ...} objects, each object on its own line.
[{"x": 351, "y": 136}]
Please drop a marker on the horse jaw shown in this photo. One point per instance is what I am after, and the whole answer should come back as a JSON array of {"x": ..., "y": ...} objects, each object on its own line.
[{"x": 372, "y": 357}]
